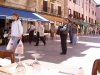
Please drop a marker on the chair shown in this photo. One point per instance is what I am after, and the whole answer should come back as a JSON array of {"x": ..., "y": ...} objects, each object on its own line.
[
  {"x": 96, "y": 67},
  {"x": 5, "y": 53}
]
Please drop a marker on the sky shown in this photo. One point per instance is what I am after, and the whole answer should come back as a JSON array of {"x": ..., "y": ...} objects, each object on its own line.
[{"x": 97, "y": 1}]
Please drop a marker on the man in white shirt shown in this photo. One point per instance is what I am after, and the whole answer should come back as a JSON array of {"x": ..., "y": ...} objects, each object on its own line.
[
  {"x": 16, "y": 30},
  {"x": 40, "y": 34}
]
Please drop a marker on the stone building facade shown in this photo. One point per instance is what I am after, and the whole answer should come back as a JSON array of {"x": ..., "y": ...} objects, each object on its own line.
[
  {"x": 57, "y": 10},
  {"x": 82, "y": 9},
  {"x": 98, "y": 14}
]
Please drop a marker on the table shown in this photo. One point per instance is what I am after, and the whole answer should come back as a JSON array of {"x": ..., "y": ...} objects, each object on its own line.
[{"x": 45, "y": 69}]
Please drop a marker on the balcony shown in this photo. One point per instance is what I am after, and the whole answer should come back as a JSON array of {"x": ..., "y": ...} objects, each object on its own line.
[{"x": 50, "y": 11}]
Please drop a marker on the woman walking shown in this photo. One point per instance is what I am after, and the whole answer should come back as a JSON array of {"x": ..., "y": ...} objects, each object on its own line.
[{"x": 16, "y": 30}]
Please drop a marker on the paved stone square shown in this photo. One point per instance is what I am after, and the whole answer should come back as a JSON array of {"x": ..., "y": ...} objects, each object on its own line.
[{"x": 81, "y": 55}]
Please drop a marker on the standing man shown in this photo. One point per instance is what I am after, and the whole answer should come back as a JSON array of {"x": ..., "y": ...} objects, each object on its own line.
[
  {"x": 31, "y": 32},
  {"x": 52, "y": 32},
  {"x": 63, "y": 35},
  {"x": 40, "y": 34},
  {"x": 16, "y": 30},
  {"x": 74, "y": 34}
]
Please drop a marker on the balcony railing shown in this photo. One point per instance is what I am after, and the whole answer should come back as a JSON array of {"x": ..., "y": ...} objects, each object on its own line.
[{"x": 50, "y": 11}]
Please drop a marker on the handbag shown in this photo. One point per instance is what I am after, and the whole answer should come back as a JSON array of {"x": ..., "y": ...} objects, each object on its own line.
[
  {"x": 10, "y": 45},
  {"x": 19, "y": 49}
]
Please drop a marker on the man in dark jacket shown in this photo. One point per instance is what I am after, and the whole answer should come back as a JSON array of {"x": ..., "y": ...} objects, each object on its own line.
[{"x": 63, "y": 35}]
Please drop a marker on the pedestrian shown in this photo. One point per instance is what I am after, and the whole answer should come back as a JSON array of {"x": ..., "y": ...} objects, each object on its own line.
[
  {"x": 52, "y": 32},
  {"x": 40, "y": 34},
  {"x": 63, "y": 35},
  {"x": 70, "y": 32},
  {"x": 1, "y": 35},
  {"x": 6, "y": 33},
  {"x": 16, "y": 30},
  {"x": 74, "y": 34},
  {"x": 31, "y": 32}
]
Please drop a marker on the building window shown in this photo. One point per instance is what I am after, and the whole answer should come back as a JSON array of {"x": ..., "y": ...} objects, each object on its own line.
[
  {"x": 78, "y": 15},
  {"x": 95, "y": 21},
  {"x": 92, "y": 12},
  {"x": 82, "y": 17},
  {"x": 74, "y": 14},
  {"x": 89, "y": 1},
  {"x": 74, "y": 1},
  {"x": 52, "y": 8},
  {"x": 82, "y": 4},
  {"x": 45, "y": 6},
  {"x": 59, "y": 10},
  {"x": 89, "y": 19},
  {"x": 86, "y": 18},
  {"x": 69, "y": 11}
]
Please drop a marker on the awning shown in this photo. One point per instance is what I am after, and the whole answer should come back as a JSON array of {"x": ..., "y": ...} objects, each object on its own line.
[
  {"x": 22, "y": 13},
  {"x": 53, "y": 18},
  {"x": 41, "y": 18},
  {"x": 2, "y": 17}
]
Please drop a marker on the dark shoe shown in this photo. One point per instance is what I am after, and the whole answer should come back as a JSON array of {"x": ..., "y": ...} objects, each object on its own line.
[
  {"x": 62, "y": 53},
  {"x": 16, "y": 54},
  {"x": 70, "y": 42},
  {"x": 44, "y": 44},
  {"x": 35, "y": 45},
  {"x": 0, "y": 65}
]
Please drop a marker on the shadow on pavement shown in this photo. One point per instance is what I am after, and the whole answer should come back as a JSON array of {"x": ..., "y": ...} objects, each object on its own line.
[{"x": 51, "y": 52}]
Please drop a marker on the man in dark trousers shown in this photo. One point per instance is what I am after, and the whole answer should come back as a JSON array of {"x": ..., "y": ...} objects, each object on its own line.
[
  {"x": 63, "y": 35},
  {"x": 40, "y": 34}
]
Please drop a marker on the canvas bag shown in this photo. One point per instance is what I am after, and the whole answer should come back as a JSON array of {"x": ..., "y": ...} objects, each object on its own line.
[
  {"x": 10, "y": 45},
  {"x": 19, "y": 49}
]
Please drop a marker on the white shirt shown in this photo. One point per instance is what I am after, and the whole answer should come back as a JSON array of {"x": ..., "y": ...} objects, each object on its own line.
[
  {"x": 31, "y": 27},
  {"x": 16, "y": 29},
  {"x": 41, "y": 30},
  {"x": 64, "y": 28}
]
